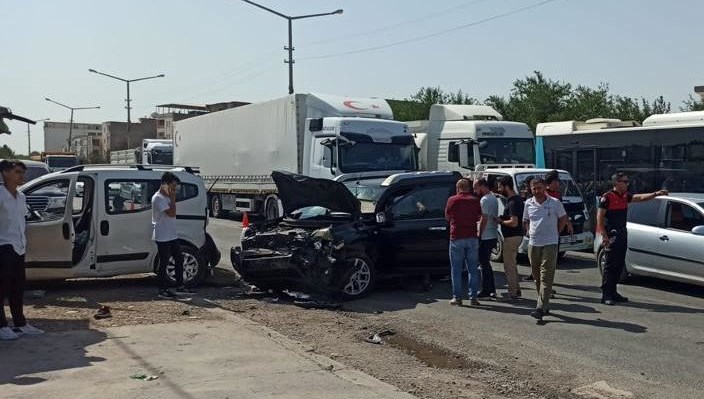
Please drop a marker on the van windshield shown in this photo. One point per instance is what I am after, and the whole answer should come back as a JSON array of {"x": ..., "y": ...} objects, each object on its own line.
[{"x": 568, "y": 188}]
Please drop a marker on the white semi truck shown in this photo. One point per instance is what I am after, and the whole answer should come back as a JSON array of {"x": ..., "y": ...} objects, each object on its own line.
[
  {"x": 315, "y": 135},
  {"x": 470, "y": 139},
  {"x": 151, "y": 152}
]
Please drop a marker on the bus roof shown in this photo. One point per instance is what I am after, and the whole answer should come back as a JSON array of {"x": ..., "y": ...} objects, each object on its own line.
[{"x": 679, "y": 120}]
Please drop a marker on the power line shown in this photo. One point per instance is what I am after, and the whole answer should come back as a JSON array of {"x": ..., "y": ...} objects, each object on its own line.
[
  {"x": 394, "y": 26},
  {"x": 424, "y": 37}
]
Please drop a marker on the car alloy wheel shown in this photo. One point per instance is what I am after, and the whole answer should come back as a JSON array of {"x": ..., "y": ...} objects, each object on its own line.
[
  {"x": 361, "y": 278},
  {"x": 191, "y": 268}
]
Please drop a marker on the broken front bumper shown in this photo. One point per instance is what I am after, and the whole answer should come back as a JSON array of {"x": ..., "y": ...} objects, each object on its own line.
[{"x": 264, "y": 267}]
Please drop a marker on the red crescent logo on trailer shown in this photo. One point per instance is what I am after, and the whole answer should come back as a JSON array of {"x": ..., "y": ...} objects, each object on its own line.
[{"x": 351, "y": 104}]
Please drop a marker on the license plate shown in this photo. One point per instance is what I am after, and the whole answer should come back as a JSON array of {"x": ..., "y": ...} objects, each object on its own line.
[{"x": 568, "y": 239}]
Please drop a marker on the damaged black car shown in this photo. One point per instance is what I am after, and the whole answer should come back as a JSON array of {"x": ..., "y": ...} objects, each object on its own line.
[{"x": 337, "y": 239}]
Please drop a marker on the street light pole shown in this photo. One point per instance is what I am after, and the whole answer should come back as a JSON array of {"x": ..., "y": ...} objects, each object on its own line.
[
  {"x": 127, "y": 81},
  {"x": 290, "y": 48},
  {"x": 29, "y": 137},
  {"x": 70, "y": 125}
]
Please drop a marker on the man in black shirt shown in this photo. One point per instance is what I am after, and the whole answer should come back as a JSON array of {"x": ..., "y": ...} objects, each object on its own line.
[
  {"x": 512, "y": 232},
  {"x": 611, "y": 224}
]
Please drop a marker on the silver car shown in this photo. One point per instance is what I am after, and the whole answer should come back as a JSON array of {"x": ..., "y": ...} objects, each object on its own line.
[{"x": 665, "y": 239}]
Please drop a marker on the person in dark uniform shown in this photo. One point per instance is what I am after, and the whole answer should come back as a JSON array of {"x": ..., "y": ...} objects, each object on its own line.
[{"x": 611, "y": 224}]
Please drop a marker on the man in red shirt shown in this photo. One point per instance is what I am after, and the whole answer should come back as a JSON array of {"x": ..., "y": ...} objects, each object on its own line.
[{"x": 464, "y": 213}]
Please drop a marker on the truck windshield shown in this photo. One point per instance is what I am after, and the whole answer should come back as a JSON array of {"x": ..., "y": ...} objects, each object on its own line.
[
  {"x": 370, "y": 157},
  {"x": 162, "y": 157},
  {"x": 61, "y": 162},
  {"x": 507, "y": 151}
]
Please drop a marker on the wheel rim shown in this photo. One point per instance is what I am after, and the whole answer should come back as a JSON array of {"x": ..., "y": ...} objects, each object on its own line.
[
  {"x": 190, "y": 268},
  {"x": 496, "y": 251},
  {"x": 359, "y": 281},
  {"x": 271, "y": 211},
  {"x": 602, "y": 261}
]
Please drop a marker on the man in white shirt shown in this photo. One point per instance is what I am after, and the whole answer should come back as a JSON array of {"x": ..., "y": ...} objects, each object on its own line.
[
  {"x": 166, "y": 236},
  {"x": 489, "y": 234},
  {"x": 13, "y": 209},
  {"x": 543, "y": 218}
]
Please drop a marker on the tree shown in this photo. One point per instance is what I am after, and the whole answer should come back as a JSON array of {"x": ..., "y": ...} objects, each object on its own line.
[
  {"x": 7, "y": 152},
  {"x": 436, "y": 95},
  {"x": 692, "y": 104}
]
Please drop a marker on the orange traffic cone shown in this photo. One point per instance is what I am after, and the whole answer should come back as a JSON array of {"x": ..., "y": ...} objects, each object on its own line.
[{"x": 245, "y": 221}]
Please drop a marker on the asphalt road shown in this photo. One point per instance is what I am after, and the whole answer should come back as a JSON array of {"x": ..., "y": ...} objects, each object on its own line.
[{"x": 652, "y": 347}]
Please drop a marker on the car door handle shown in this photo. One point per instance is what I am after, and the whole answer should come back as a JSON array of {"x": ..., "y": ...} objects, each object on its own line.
[
  {"x": 104, "y": 228},
  {"x": 66, "y": 230},
  {"x": 664, "y": 238},
  {"x": 438, "y": 228}
]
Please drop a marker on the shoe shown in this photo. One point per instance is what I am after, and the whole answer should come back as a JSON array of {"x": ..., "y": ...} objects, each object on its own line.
[
  {"x": 529, "y": 278},
  {"x": 518, "y": 294},
  {"x": 608, "y": 301},
  {"x": 537, "y": 314},
  {"x": 620, "y": 298},
  {"x": 492, "y": 295},
  {"x": 474, "y": 302},
  {"x": 6, "y": 334},
  {"x": 484, "y": 294},
  {"x": 166, "y": 294},
  {"x": 456, "y": 302},
  {"x": 184, "y": 291},
  {"x": 28, "y": 329}
]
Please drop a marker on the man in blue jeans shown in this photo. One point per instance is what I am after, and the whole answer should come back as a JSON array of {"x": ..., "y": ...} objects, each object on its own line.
[{"x": 464, "y": 211}]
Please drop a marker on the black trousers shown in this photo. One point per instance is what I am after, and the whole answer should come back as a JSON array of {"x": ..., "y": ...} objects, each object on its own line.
[
  {"x": 615, "y": 262},
  {"x": 12, "y": 281},
  {"x": 167, "y": 251},
  {"x": 485, "y": 248}
]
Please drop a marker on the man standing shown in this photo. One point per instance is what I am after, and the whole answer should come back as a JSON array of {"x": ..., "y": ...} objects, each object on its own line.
[
  {"x": 463, "y": 211},
  {"x": 543, "y": 218},
  {"x": 489, "y": 235},
  {"x": 611, "y": 224},
  {"x": 166, "y": 236},
  {"x": 13, "y": 209},
  {"x": 512, "y": 231}
]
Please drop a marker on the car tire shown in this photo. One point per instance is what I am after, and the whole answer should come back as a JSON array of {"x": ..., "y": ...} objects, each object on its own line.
[
  {"x": 601, "y": 262},
  {"x": 195, "y": 266},
  {"x": 497, "y": 254},
  {"x": 216, "y": 207},
  {"x": 361, "y": 279}
]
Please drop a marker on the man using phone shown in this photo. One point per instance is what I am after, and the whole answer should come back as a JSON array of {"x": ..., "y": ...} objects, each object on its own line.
[{"x": 166, "y": 236}]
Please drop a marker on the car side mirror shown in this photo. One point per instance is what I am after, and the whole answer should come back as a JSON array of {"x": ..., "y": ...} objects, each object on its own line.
[{"x": 698, "y": 230}]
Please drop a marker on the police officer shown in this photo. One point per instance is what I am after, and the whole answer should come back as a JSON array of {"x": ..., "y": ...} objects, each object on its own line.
[{"x": 611, "y": 224}]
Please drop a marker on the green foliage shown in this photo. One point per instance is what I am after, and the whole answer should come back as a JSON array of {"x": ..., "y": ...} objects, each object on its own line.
[{"x": 692, "y": 104}]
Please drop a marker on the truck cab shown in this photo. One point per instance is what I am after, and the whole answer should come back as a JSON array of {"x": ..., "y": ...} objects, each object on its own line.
[
  {"x": 471, "y": 138},
  {"x": 59, "y": 162}
]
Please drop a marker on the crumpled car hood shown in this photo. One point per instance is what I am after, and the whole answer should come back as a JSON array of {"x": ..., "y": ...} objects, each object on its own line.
[{"x": 298, "y": 191}]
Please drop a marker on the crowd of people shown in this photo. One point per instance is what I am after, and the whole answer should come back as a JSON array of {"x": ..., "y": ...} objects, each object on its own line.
[{"x": 473, "y": 214}]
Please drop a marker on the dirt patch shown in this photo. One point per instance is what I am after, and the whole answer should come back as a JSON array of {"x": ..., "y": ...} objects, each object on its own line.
[{"x": 429, "y": 354}]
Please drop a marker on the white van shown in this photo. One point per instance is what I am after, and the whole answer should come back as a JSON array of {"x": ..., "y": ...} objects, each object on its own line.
[
  {"x": 572, "y": 199},
  {"x": 81, "y": 224}
]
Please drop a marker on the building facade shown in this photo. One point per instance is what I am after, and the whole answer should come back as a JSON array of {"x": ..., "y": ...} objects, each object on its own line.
[
  {"x": 115, "y": 136},
  {"x": 56, "y": 134}
]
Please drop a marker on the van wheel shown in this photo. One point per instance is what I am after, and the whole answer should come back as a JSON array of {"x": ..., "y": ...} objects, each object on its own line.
[
  {"x": 362, "y": 277},
  {"x": 497, "y": 254},
  {"x": 194, "y": 267},
  {"x": 271, "y": 211},
  {"x": 216, "y": 206}
]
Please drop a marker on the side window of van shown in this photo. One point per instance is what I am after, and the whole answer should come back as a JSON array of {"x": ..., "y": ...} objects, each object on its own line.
[{"x": 132, "y": 196}]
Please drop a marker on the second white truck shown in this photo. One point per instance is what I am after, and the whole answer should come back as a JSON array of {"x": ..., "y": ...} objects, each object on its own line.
[{"x": 315, "y": 135}]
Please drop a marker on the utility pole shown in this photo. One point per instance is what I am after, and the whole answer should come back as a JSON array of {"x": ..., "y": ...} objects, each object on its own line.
[
  {"x": 70, "y": 125},
  {"x": 290, "y": 48}
]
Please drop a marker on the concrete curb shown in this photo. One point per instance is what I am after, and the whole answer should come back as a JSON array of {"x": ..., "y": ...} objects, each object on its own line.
[{"x": 338, "y": 369}]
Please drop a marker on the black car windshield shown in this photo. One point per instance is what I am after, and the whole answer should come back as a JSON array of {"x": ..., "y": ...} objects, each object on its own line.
[
  {"x": 33, "y": 172},
  {"x": 568, "y": 188},
  {"x": 61, "y": 162},
  {"x": 367, "y": 192},
  {"x": 507, "y": 151},
  {"x": 370, "y": 157}
]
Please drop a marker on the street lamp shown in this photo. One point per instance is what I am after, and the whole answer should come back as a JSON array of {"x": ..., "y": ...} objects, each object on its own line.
[
  {"x": 290, "y": 35},
  {"x": 29, "y": 138},
  {"x": 128, "y": 81},
  {"x": 70, "y": 125}
]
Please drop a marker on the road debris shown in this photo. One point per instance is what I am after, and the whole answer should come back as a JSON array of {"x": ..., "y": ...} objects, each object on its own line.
[
  {"x": 103, "y": 313},
  {"x": 144, "y": 377}
]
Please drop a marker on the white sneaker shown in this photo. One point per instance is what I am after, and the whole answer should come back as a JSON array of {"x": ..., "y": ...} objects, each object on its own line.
[
  {"x": 6, "y": 334},
  {"x": 29, "y": 329}
]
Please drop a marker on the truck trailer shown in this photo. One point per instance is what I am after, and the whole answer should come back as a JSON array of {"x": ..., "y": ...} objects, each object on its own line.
[{"x": 316, "y": 135}]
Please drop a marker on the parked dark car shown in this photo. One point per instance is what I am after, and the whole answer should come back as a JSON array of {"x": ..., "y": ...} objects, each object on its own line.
[{"x": 338, "y": 239}]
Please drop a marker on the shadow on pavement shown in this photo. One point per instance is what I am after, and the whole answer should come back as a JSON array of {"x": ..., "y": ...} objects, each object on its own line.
[
  {"x": 627, "y": 327},
  {"x": 61, "y": 350}
]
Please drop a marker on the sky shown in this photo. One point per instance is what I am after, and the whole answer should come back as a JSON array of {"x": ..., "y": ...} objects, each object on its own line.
[{"x": 227, "y": 50}]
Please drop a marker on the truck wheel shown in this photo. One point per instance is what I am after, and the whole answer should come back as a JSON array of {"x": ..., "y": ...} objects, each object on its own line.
[
  {"x": 216, "y": 206},
  {"x": 271, "y": 210},
  {"x": 497, "y": 254},
  {"x": 194, "y": 266},
  {"x": 362, "y": 277}
]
